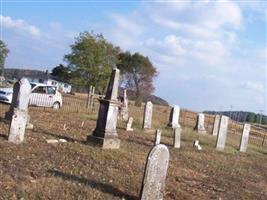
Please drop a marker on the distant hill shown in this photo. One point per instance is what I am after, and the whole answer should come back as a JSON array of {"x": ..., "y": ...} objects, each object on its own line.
[
  {"x": 13, "y": 73},
  {"x": 242, "y": 116}
]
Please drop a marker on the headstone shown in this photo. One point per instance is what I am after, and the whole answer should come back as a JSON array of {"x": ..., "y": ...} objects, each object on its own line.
[
  {"x": 125, "y": 106},
  {"x": 244, "y": 138},
  {"x": 147, "y": 121},
  {"x": 157, "y": 137},
  {"x": 153, "y": 185},
  {"x": 222, "y": 134},
  {"x": 177, "y": 137},
  {"x": 19, "y": 111},
  {"x": 216, "y": 125},
  {"x": 174, "y": 117},
  {"x": 129, "y": 124},
  {"x": 201, "y": 123},
  {"x": 17, "y": 126},
  {"x": 105, "y": 133}
]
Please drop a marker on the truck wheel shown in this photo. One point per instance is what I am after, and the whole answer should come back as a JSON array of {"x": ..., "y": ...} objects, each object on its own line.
[{"x": 56, "y": 106}]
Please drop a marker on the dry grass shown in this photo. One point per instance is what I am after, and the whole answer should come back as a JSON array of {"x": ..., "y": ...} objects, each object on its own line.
[{"x": 76, "y": 170}]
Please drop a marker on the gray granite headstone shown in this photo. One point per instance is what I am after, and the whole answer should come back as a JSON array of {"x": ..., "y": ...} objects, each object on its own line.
[
  {"x": 216, "y": 125},
  {"x": 105, "y": 133},
  {"x": 174, "y": 117},
  {"x": 92, "y": 98},
  {"x": 244, "y": 138},
  {"x": 201, "y": 123},
  {"x": 147, "y": 121},
  {"x": 153, "y": 185},
  {"x": 157, "y": 137},
  {"x": 129, "y": 124},
  {"x": 89, "y": 96},
  {"x": 19, "y": 110},
  {"x": 177, "y": 137},
  {"x": 222, "y": 134}
]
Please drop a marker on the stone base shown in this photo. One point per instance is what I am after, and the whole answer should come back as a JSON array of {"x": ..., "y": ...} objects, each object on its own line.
[
  {"x": 105, "y": 143},
  {"x": 129, "y": 129},
  {"x": 201, "y": 131}
]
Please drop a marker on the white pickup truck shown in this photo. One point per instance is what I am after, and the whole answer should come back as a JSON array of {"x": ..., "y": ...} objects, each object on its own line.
[{"x": 42, "y": 95}]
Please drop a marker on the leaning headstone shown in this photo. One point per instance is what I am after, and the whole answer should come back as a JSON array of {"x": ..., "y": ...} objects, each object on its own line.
[
  {"x": 216, "y": 125},
  {"x": 147, "y": 121},
  {"x": 125, "y": 106},
  {"x": 177, "y": 137},
  {"x": 222, "y": 134},
  {"x": 174, "y": 117},
  {"x": 153, "y": 185},
  {"x": 129, "y": 124},
  {"x": 19, "y": 111},
  {"x": 157, "y": 137},
  {"x": 201, "y": 123},
  {"x": 244, "y": 138},
  {"x": 105, "y": 133}
]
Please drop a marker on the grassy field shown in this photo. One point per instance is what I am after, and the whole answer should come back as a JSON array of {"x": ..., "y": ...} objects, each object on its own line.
[{"x": 77, "y": 170}]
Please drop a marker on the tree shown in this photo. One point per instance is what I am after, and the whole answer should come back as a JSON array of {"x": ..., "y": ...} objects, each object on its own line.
[
  {"x": 61, "y": 72},
  {"x": 3, "y": 54},
  {"x": 91, "y": 60},
  {"x": 137, "y": 74},
  {"x": 251, "y": 117}
]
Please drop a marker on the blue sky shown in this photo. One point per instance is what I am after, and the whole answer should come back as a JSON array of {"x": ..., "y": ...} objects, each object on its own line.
[{"x": 211, "y": 55}]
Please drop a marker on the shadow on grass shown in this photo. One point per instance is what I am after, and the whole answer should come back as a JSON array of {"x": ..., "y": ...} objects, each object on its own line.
[
  {"x": 103, "y": 187},
  {"x": 5, "y": 137}
]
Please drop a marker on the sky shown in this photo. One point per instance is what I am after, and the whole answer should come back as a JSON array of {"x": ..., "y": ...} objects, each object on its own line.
[{"x": 210, "y": 55}]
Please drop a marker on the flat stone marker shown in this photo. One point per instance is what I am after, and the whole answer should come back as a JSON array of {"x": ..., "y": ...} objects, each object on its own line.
[
  {"x": 105, "y": 133},
  {"x": 216, "y": 125},
  {"x": 244, "y": 138},
  {"x": 153, "y": 185},
  {"x": 129, "y": 124},
  {"x": 17, "y": 126},
  {"x": 222, "y": 134},
  {"x": 177, "y": 137},
  {"x": 147, "y": 121},
  {"x": 174, "y": 117},
  {"x": 201, "y": 123},
  {"x": 157, "y": 137}
]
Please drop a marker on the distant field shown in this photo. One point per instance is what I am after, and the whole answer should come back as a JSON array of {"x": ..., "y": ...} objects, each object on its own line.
[{"x": 76, "y": 170}]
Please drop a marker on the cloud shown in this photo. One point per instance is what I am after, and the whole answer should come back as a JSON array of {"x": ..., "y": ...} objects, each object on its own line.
[
  {"x": 254, "y": 86},
  {"x": 19, "y": 25}
]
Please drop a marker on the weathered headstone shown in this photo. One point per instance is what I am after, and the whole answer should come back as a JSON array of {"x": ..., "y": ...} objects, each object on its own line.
[
  {"x": 147, "y": 121},
  {"x": 125, "y": 106},
  {"x": 222, "y": 134},
  {"x": 174, "y": 117},
  {"x": 19, "y": 111},
  {"x": 177, "y": 137},
  {"x": 244, "y": 138},
  {"x": 216, "y": 125},
  {"x": 201, "y": 123},
  {"x": 153, "y": 185},
  {"x": 157, "y": 137},
  {"x": 129, "y": 124},
  {"x": 105, "y": 133}
]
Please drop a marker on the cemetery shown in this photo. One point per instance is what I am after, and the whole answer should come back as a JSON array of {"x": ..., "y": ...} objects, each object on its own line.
[{"x": 90, "y": 152}]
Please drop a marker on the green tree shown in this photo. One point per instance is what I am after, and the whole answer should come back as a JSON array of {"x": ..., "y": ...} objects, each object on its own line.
[
  {"x": 251, "y": 117},
  {"x": 91, "y": 60},
  {"x": 61, "y": 72},
  {"x": 137, "y": 74},
  {"x": 3, "y": 54}
]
